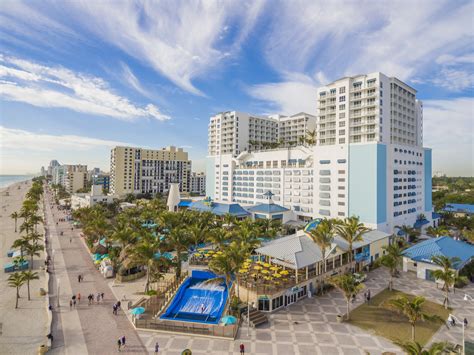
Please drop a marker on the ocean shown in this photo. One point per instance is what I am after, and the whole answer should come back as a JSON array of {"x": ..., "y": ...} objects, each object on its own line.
[{"x": 6, "y": 180}]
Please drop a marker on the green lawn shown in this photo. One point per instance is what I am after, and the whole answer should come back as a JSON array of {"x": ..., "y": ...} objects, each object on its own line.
[{"x": 385, "y": 322}]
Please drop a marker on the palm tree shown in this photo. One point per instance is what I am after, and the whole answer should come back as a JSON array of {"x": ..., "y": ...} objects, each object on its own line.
[
  {"x": 29, "y": 276},
  {"x": 446, "y": 274},
  {"x": 35, "y": 237},
  {"x": 35, "y": 220},
  {"x": 33, "y": 250},
  {"x": 415, "y": 348},
  {"x": 311, "y": 137},
  {"x": 352, "y": 231},
  {"x": 144, "y": 254},
  {"x": 349, "y": 287},
  {"x": 412, "y": 310},
  {"x": 323, "y": 236},
  {"x": 391, "y": 260},
  {"x": 408, "y": 232},
  {"x": 15, "y": 216},
  {"x": 178, "y": 239},
  {"x": 16, "y": 280},
  {"x": 223, "y": 265},
  {"x": 247, "y": 234},
  {"x": 21, "y": 243},
  {"x": 437, "y": 232}
]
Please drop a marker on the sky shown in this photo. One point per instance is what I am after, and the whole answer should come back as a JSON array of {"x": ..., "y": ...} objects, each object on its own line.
[{"x": 79, "y": 77}]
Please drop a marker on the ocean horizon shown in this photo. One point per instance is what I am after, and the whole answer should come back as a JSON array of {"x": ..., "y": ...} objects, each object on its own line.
[{"x": 6, "y": 180}]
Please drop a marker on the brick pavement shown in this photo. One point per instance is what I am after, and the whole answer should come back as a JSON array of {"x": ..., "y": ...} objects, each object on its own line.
[
  {"x": 99, "y": 327},
  {"x": 310, "y": 326}
]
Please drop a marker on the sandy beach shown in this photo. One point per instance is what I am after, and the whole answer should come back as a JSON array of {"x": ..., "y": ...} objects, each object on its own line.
[{"x": 22, "y": 330}]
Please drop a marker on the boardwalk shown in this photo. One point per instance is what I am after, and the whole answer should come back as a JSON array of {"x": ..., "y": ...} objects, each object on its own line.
[{"x": 86, "y": 329}]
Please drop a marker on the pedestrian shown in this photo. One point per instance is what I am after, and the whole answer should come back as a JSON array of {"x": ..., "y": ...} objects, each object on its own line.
[
  {"x": 70, "y": 304},
  {"x": 119, "y": 343},
  {"x": 242, "y": 348},
  {"x": 98, "y": 297},
  {"x": 368, "y": 297},
  {"x": 74, "y": 303},
  {"x": 465, "y": 322},
  {"x": 114, "y": 311},
  {"x": 79, "y": 297},
  {"x": 123, "y": 341},
  {"x": 102, "y": 296},
  {"x": 78, "y": 278},
  {"x": 119, "y": 304},
  {"x": 157, "y": 347},
  {"x": 50, "y": 308},
  {"x": 365, "y": 297},
  {"x": 70, "y": 240},
  {"x": 50, "y": 337},
  {"x": 92, "y": 297}
]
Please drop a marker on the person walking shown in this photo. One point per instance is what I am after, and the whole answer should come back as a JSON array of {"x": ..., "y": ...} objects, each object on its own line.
[
  {"x": 368, "y": 297},
  {"x": 70, "y": 304},
  {"x": 70, "y": 240},
  {"x": 114, "y": 309},
  {"x": 74, "y": 303},
  {"x": 79, "y": 278},
  {"x": 157, "y": 348},
  {"x": 102, "y": 296},
  {"x": 119, "y": 343},
  {"x": 123, "y": 341},
  {"x": 242, "y": 349},
  {"x": 118, "y": 305},
  {"x": 78, "y": 297}
]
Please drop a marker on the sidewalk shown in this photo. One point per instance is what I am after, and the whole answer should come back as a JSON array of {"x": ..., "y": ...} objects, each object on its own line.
[{"x": 94, "y": 328}]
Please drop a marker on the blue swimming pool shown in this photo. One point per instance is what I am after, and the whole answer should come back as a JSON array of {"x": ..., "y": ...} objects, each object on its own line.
[
  {"x": 198, "y": 301},
  {"x": 313, "y": 224}
]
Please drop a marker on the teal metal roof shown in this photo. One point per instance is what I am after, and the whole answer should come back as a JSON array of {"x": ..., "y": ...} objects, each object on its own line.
[
  {"x": 267, "y": 208},
  {"x": 219, "y": 209},
  {"x": 446, "y": 246}
]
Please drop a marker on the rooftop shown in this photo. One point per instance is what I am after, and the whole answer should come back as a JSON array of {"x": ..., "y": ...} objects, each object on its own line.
[
  {"x": 219, "y": 209},
  {"x": 459, "y": 207},
  {"x": 445, "y": 246}
]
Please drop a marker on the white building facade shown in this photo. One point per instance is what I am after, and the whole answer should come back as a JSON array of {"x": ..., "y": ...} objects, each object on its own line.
[
  {"x": 198, "y": 183},
  {"x": 380, "y": 173}
]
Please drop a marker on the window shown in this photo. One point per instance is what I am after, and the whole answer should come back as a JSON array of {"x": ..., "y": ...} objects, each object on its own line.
[
  {"x": 342, "y": 107},
  {"x": 342, "y": 140},
  {"x": 342, "y": 98},
  {"x": 342, "y": 90},
  {"x": 342, "y": 123},
  {"x": 342, "y": 132},
  {"x": 342, "y": 115}
]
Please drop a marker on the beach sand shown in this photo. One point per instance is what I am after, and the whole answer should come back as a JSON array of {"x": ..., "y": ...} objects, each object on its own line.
[{"x": 22, "y": 330}]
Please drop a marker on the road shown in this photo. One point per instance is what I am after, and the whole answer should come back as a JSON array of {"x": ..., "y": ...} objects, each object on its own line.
[{"x": 86, "y": 329}]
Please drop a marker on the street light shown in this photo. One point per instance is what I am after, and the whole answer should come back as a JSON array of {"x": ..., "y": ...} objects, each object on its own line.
[
  {"x": 57, "y": 296},
  {"x": 450, "y": 317},
  {"x": 248, "y": 316}
]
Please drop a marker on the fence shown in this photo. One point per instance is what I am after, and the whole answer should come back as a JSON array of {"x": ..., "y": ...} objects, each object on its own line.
[
  {"x": 166, "y": 291},
  {"x": 228, "y": 331}
]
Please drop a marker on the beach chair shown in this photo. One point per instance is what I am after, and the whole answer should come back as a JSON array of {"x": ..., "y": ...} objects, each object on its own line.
[
  {"x": 23, "y": 266},
  {"x": 9, "y": 267}
]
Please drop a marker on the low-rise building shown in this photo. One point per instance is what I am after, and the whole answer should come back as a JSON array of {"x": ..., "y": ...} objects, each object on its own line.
[
  {"x": 81, "y": 200},
  {"x": 419, "y": 258}
]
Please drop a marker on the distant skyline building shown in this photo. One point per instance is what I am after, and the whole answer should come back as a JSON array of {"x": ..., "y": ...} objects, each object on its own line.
[
  {"x": 72, "y": 177},
  {"x": 367, "y": 159},
  {"x": 198, "y": 183},
  {"x": 140, "y": 171}
]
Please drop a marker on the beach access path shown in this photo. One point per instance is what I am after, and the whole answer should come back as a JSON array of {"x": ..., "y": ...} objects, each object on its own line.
[
  {"x": 24, "y": 329},
  {"x": 86, "y": 329}
]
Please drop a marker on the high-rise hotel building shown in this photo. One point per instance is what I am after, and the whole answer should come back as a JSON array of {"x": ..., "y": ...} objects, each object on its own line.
[
  {"x": 140, "y": 171},
  {"x": 368, "y": 159}
]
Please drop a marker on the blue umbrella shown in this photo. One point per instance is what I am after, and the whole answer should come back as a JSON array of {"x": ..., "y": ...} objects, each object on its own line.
[
  {"x": 226, "y": 320},
  {"x": 137, "y": 310}
]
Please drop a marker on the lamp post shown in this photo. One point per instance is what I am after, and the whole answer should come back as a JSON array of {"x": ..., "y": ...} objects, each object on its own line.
[
  {"x": 248, "y": 316},
  {"x": 451, "y": 316},
  {"x": 57, "y": 296}
]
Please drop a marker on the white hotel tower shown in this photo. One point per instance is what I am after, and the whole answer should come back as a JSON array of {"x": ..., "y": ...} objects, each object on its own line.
[{"x": 368, "y": 159}]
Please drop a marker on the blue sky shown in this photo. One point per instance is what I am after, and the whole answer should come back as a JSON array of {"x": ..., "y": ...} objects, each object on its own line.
[{"x": 78, "y": 77}]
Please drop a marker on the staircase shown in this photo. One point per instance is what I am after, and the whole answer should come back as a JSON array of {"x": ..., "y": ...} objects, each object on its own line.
[{"x": 257, "y": 317}]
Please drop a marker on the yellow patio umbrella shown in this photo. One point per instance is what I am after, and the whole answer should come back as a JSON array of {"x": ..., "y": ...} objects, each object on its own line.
[
  {"x": 265, "y": 271},
  {"x": 266, "y": 264},
  {"x": 215, "y": 255},
  {"x": 260, "y": 262},
  {"x": 219, "y": 252},
  {"x": 256, "y": 267},
  {"x": 243, "y": 271},
  {"x": 277, "y": 275},
  {"x": 249, "y": 260},
  {"x": 210, "y": 251},
  {"x": 274, "y": 268},
  {"x": 268, "y": 278},
  {"x": 284, "y": 272},
  {"x": 201, "y": 249}
]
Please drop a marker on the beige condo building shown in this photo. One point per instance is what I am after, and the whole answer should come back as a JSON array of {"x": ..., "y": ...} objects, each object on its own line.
[{"x": 140, "y": 171}]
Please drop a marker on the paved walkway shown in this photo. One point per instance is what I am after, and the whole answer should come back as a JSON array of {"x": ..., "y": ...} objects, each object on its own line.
[
  {"x": 310, "y": 326},
  {"x": 86, "y": 329}
]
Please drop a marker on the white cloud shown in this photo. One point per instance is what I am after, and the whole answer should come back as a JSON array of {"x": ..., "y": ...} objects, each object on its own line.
[
  {"x": 181, "y": 40},
  {"x": 25, "y": 140},
  {"x": 24, "y": 151},
  {"x": 43, "y": 86},
  {"x": 448, "y": 128}
]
